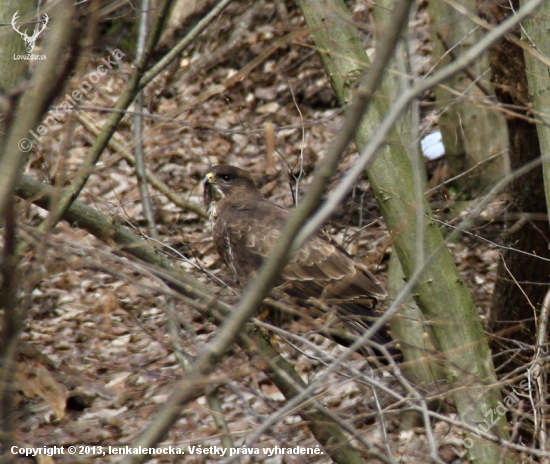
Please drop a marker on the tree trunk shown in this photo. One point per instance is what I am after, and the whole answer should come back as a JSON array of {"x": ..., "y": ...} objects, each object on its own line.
[
  {"x": 12, "y": 72},
  {"x": 538, "y": 76},
  {"x": 472, "y": 131},
  {"x": 440, "y": 293},
  {"x": 409, "y": 327},
  {"x": 22, "y": 116},
  {"x": 522, "y": 279}
]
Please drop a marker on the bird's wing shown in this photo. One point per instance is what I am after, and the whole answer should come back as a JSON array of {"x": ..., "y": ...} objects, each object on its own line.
[
  {"x": 323, "y": 271},
  {"x": 333, "y": 273},
  {"x": 319, "y": 269},
  {"x": 245, "y": 235}
]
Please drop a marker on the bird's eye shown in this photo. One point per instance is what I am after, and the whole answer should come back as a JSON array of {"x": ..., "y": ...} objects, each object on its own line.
[{"x": 226, "y": 177}]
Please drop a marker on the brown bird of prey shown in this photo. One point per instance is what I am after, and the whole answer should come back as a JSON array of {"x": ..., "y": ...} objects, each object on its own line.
[{"x": 245, "y": 226}]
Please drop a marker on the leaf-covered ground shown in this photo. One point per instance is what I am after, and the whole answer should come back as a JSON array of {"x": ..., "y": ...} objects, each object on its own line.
[{"x": 104, "y": 342}]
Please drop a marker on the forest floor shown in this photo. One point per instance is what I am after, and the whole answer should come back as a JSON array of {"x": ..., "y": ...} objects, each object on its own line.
[{"x": 98, "y": 359}]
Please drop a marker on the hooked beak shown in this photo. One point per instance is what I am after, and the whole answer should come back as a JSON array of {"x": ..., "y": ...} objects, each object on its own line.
[
  {"x": 209, "y": 178},
  {"x": 211, "y": 188}
]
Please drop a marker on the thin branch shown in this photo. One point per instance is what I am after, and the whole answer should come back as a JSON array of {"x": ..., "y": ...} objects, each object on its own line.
[
  {"x": 399, "y": 106},
  {"x": 118, "y": 145},
  {"x": 541, "y": 375},
  {"x": 155, "y": 70},
  {"x": 485, "y": 90},
  {"x": 194, "y": 293},
  {"x": 13, "y": 156},
  {"x": 13, "y": 316},
  {"x": 33, "y": 102},
  {"x": 261, "y": 286},
  {"x": 211, "y": 393},
  {"x": 527, "y": 48},
  {"x": 138, "y": 130},
  {"x": 107, "y": 230},
  {"x": 127, "y": 97}
]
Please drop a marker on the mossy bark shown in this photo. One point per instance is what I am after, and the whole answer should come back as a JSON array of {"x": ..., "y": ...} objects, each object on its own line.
[{"x": 440, "y": 293}]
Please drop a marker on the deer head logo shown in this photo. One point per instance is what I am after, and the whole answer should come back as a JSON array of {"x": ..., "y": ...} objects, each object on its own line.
[{"x": 29, "y": 41}]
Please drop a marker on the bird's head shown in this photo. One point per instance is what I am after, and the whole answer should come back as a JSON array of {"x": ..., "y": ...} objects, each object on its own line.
[{"x": 227, "y": 182}]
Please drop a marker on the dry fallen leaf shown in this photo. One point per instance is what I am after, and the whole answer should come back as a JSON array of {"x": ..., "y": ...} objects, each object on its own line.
[{"x": 35, "y": 380}]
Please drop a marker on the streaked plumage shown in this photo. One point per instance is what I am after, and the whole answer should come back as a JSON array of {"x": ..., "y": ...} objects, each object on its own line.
[{"x": 245, "y": 227}]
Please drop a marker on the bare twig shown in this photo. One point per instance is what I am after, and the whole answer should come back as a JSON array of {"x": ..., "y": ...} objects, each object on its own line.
[
  {"x": 195, "y": 294},
  {"x": 33, "y": 102},
  {"x": 107, "y": 230},
  {"x": 138, "y": 129},
  {"x": 396, "y": 110},
  {"x": 468, "y": 73},
  {"x": 155, "y": 70},
  {"x": 540, "y": 373},
  {"x": 13, "y": 316},
  {"x": 211, "y": 393},
  {"x": 298, "y": 178},
  {"x": 12, "y": 156},
  {"x": 117, "y": 144},
  {"x": 127, "y": 97}
]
